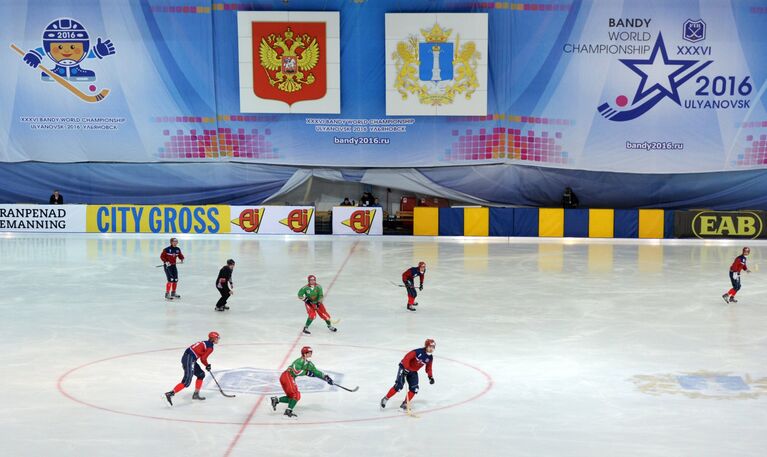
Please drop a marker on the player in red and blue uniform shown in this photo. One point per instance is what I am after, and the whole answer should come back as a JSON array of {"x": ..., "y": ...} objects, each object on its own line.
[
  {"x": 408, "y": 278},
  {"x": 737, "y": 266},
  {"x": 170, "y": 255},
  {"x": 200, "y": 350},
  {"x": 408, "y": 371}
]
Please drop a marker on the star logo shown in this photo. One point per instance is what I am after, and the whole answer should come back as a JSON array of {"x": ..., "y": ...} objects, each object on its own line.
[
  {"x": 659, "y": 72},
  {"x": 661, "y": 78}
]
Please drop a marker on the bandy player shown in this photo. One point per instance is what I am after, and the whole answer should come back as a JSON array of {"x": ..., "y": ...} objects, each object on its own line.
[
  {"x": 199, "y": 350},
  {"x": 738, "y": 265},
  {"x": 408, "y": 278},
  {"x": 408, "y": 371},
  {"x": 169, "y": 256}
]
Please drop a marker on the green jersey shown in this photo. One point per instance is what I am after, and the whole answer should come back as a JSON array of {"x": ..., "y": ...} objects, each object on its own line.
[
  {"x": 314, "y": 294},
  {"x": 301, "y": 367}
]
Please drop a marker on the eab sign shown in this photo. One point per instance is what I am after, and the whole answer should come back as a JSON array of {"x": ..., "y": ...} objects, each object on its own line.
[{"x": 719, "y": 224}]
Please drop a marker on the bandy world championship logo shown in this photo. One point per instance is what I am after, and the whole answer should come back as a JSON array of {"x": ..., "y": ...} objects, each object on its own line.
[
  {"x": 67, "y": 44},
  {"x": 691, "y": 83},
  {"x": 360, "y": 221}
]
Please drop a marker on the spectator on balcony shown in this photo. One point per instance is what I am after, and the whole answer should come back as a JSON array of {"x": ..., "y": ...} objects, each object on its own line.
[
  {"x": 569, "y": 200},
  {"x": 56, "y": 198},
  {"x": 347, "y": 202},
  {"x": 367, "y": 199}
]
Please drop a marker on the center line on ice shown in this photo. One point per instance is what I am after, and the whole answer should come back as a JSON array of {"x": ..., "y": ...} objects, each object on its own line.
[{"x": 285, "y": 359}]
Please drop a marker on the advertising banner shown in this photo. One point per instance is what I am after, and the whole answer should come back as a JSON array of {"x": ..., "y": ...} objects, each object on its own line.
[
  {"x": 42, "y": 218},
  {"x": 273, "y": 220},
  {"x": 352, "y": 220},
  {"x": 720, "y": 224},
  {"x": 622, "y": 86},
  {"x": 158, "y": 219}
]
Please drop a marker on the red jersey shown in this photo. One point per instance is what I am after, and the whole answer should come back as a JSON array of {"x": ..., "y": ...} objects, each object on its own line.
[
  {"x": 417, "y": 358},
  {"x": 202, "y": 349},
  {"x": 170, "y": 254},
  {"x": 411, "y": 273},
  {"x": 739, "y": 264}
]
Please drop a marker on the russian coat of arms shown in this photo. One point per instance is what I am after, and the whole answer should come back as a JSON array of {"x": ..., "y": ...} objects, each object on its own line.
[{"x": 289, "y": 61}]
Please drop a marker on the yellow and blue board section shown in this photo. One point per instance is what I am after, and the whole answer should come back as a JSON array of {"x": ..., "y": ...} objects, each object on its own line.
[
  {"x": 544, "y": 222},
  {"x": 157, "y": 219}
]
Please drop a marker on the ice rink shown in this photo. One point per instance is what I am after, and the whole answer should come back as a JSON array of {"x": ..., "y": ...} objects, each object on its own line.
[{"x": 548, "y": 348}]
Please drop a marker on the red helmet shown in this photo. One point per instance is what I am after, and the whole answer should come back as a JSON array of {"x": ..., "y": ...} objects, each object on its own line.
[
  {"x": 305, "y": 350},
  {"x": 311, "y": 278},
  {"x": 429, "y": 342},
  {"x": 213, "y": 335}
]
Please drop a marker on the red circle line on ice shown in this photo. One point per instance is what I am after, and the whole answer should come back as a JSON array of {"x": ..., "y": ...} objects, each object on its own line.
[{"x": 63, "y": 391}]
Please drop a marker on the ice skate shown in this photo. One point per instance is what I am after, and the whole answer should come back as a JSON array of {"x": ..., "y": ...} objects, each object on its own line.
[
  {"x": 306, "y": 331},
  {"x": 169, "y": 396},
  {"x": 332, "y": 329},
  {"x": 174, "y": 295},
  {"x": 275, "y": 402},
  {"x": 732, "y": 299},
  {"x": 197, "y": 396},
  {"x": 726, "y": 298},
  {"x": 383, "y": 402},
  {"x": 289, "y": 413}
]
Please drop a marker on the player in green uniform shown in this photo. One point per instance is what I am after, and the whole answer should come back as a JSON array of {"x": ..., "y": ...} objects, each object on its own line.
[
  {"x": 311, "y": 295},
  {"x": 302, "y": 366}
]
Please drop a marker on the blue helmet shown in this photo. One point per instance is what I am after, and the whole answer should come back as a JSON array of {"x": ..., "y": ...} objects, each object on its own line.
[{"x": 65, "y": 30}]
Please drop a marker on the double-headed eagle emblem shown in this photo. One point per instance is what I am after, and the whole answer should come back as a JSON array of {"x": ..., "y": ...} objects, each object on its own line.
[{"x": 288, "y": 59}]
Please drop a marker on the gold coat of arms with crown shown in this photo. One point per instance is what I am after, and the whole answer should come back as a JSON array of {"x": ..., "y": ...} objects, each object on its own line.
[{"x": 436, "y": 70}]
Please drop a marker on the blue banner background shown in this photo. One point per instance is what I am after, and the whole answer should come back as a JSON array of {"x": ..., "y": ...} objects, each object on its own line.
[{"x": 174, "y": 99}]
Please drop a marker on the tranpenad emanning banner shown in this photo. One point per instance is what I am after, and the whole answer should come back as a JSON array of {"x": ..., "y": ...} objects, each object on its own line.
[{"x": 42, "y": 218}]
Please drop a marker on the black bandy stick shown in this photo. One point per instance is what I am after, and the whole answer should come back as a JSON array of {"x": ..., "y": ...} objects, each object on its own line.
[
  {"x": 219, "y": 386},
  {"x": 346, "y": 388}
]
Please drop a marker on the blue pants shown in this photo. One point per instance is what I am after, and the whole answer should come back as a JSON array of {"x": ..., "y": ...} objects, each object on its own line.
[
  {"x": 171, "y": 273},
  {"x": 189, "y": 362},
  {"x": 410, "y": 287},
  {"x": 735, "y": 280},
  {"x": 410, "y": 376}
]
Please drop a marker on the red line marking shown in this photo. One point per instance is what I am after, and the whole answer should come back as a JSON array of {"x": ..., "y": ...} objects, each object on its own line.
[{"x": 284, "y": 360}]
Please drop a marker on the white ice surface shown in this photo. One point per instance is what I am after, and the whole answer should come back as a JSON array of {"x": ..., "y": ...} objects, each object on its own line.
[{"x": 560, "y": 328}]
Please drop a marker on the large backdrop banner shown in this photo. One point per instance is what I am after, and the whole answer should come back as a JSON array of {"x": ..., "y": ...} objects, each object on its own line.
[{"x": 625, "y": 86}]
